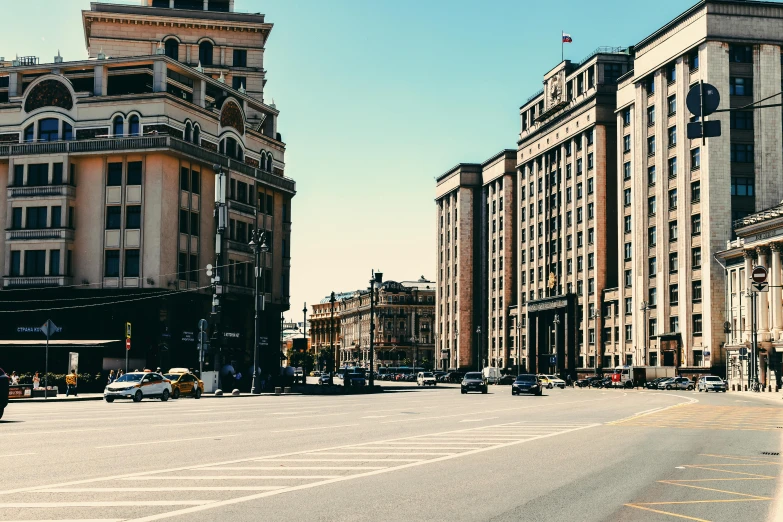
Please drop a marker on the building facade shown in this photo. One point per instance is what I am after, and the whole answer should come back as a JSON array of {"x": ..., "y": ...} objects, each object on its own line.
[
  {"x": 404, "y": 323},
  {"x": 107, "y": 188},
  {"x": 680, "y": 196}
]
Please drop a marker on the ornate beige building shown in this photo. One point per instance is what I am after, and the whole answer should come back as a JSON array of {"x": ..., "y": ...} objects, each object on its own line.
[{"x": 107, "y": 180}]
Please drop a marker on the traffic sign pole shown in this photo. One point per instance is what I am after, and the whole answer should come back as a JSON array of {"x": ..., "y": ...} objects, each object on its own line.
[{"x": 127, "y": 343}]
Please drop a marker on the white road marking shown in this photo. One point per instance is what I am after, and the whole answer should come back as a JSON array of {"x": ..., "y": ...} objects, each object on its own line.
[
  {"x": 77, "y": 520},
  {"x": 287, "y": 468},
  {"x": 113, "y": 503},
  {"x": 315, "y": 428},
  {"x": 376, "y": 416},
  {"x": 377, "y": 453},
  {"x": 57, "y": 432},
  {"x": 16, "y": 455},
  {"x": 333, "y": 460},
  {"x": 434, "y": 443},
  {"x": 158, "y": 489},
  {"x": 478, "y": 420},
  {"x": 165, "y": 441},
  {"x": 239, "y": 500},
  {"x": 236, "y": 477}
]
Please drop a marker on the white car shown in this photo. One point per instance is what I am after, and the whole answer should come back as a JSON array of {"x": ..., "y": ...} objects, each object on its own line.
[
  {"x": 711, "y": 382},
  {"x": 138, "y": 386},
  {"x": 556, "y": 382},
  {"x": 426, "y": 379}
]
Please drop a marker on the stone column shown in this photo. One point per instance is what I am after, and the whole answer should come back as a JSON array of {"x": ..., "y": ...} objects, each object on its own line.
[
  {"x": 744, "y": 284},
  {"x": 763, "y": 311},
  {"x": 775, "y": 291}
]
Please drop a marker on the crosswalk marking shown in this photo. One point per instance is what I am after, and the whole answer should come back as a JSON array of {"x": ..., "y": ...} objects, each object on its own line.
[
  {"x": 239, "y": 477},
  {"x": 111, "y": 503},
  {"x": 159, "y": 489}
]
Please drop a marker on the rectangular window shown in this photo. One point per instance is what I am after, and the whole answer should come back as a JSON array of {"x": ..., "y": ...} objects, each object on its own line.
[
  {"x": 627, "y": 224},
  {"x": 652, "y": 236},
  {"x": 695, "y": 192},
  {"x": 741, "y": 86},
  {"x": 590, "y": 161},
  {"x": 37, "y": 175},
  {"x": 628, "y": 279},
  {"x": 183, "y": 221},
  {"x": 182, "y": 266},
  {"x": 652, "y": 265},
  {"x": 741, "y": 186},
  {"x": 57, "y": 217},
  {"x": 651, "y": 206},
  {"x": 194, "y": 269},
  {"x": 674, "y": 294},
  {"x": 112, "y": 264},
  {"x": 18, "y": 175},
  {"x": 195, "y": 182},
  {"x": 35, "y": 263},
  {"x": 240, "y": 58},
  {"x": 696, "y": 224},
  {"x": 270, "y": 204},
  {"x": 239, "y": 82},
  {"x": 57, "y": 174},
  {"x": 627, "y": 143},
  {"x": 628, "y": 251},
  {"x": 742, "y": 153},
  {"x": 672, "y": 167},
  {"x": 696, "y": 257},
  {"x": 740, "y": 53},
  {"x": 672, "y": 136},
  {"x": 627, "y": 170},
  {"x": 671, "y": 73},
  {"x": 16, "y": 263},
  {"x": 741, "y": 120},
  {"x": 673, "y": 262},
  {"x": 578, "y": 166},
  {"x": 134, "y": 173},
  {"x": 651, "y": 115},
  {"x": 671, "y": 104},
  {"x": 652, "y": 296},
  {"x": 653, "y": 330},
  {"x": 36, "y": 217},
  {"x": 54, "y": 262},
  {"x": 696, "y": 290},
  {"x": 651, "y": 175},
  {"x": 113, "y": 217},
  {"x": 16, "y": 218},
  {"x": 131, "y": 263},
  {"x": 114, "y": 175},
  {"x": 650, "y": 145},
  {"x": 697, "y": 324},
  {"x": 695, "y": 158},
  {"x": 672, "y": 231},
  {"x": 628, "y": 332},
  {"x": 133, "y": 217},
  {"x": 672, "y": 199},
  {"x": 693, "y": 60},
  {"x": 626, "y": 117},
  {"x": 627, "y": 197},
  {"x": 184, "y": 178}
]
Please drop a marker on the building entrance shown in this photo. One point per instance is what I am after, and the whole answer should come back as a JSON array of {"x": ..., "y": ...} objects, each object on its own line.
[{"x": 551, "y": 342}]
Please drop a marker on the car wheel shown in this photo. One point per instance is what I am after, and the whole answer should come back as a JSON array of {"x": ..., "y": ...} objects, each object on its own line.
[
  {"x": 137, "y": 396},
  {"x": 668, "y": 387},
  {"x": 175, "y": 393},
  {"x": 484, "y": 390},
  {"x": 197, "y": 395},
  {"x": 463, "y": 391},
  {"x": 109, "y": 399},
  {"x": 690, "y": 388},
  {"x": 700, "y": 390},
  {"x": 1, "y": 412}
]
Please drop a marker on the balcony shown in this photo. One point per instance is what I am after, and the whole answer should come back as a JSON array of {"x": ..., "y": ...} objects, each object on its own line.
[
  {"x": 239, "y": 246},
  {"x": 38, "y": 234},
  {"x": 68, "y": 191},
  {"x": 36, "y": 281},
  {"x": 241, "y": 207},
  {"x": 135, "y": 143}
]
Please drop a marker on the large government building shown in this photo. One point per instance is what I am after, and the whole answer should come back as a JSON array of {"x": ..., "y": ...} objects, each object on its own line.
[
  {"x": 107, "y": 188},
  {"x": 614, "y": 216}
]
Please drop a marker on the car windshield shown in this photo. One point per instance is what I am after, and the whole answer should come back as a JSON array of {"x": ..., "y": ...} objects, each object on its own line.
[
  {"x": 172, "y": 376},
  {"x": 426, "y": 374},
  {"x": 474, "y": 376},
  {"x": 526, "y": 378},
  {"x": 130, "y": 377},
  {"x": 712, "y": 379}
]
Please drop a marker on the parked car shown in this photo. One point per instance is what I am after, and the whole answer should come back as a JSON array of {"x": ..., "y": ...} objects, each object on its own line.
[
  {"x": 584, "y": 383},
  {"x": 711, "y": 382},
  {"x": 324, "y": 378},
  {"x": 354, "y": 379},
  {"x": 556, "y": 382},
  {"x": 473, "y": 381},
  {"x": 653, "y": 384},
  {"x": 184, "y": 383},
  {"x": 426, "y": 379},
  {"x": 456, "y": 377},
  {"x": 138, "y": 386},
  {"x": 526, "y": 383},
  {"x": 545, "y": 382},
  {"x": 665, "y": 382},
  {"x": 3, "y": 392},
  {"x": 507, "y": 379},
  {"x": 676, "y": 383}
]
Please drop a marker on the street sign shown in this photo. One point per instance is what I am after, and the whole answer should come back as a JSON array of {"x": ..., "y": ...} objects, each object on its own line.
[
  {"x": 706, "y": 129},
  {"x": 706, "y": 353},
  {"x": 49, "y": 328},
  {"x": 702, "y": 96},
  {"x": 759, "y": 274},
  {"x": 760, "y": 287},
  {"x": 553, "y": 359},
  {"x": 127, "y": 344},
  {"x": 127, "y": 330},
  {"x": 743, "y": 351},
  {"x": 202, "y": 324}
]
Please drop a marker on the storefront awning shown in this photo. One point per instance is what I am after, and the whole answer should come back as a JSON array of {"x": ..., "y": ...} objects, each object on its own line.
[{"x": 669, "y": 336}]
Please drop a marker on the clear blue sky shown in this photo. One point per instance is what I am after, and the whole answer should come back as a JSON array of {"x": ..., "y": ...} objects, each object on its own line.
[{"x": 379, "y": 97}]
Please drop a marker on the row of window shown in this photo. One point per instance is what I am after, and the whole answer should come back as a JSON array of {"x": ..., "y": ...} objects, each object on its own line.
[
  {"x": 206, "y": 53},
  {"x": 37, "y": 218},
  {"x": 132, "y": 217},
  {"x": 695, "y": 262},
  {"x": 38, "y": 175},
  {"x": 131, "y": 266},
  {"x": 34, "y": 263}
]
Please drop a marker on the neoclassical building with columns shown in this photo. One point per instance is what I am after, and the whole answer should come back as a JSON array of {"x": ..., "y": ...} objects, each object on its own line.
[{"x": 759, "y": 242}]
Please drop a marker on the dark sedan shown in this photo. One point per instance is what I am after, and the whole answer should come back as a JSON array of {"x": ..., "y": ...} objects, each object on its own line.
[
  {"x": 526, "y": 384},
  {"x": 473, "y": 381},
  {"x": 653, "y": 384}
]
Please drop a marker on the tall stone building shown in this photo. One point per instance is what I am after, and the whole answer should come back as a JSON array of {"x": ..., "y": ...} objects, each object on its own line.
[
  {"x": 107, "y": 186},
  {"x": 680, "y": 196}
]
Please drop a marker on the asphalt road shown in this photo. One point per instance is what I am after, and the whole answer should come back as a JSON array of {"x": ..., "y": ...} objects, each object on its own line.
[{"x": 430, "y": 454}]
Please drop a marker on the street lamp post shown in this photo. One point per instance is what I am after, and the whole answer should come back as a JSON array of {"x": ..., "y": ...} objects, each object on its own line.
[
  {"x": 644, "y": 308},
  {"x": 375, "y": 280},
  {"x": 556, "y": 321},
  {"x": 478, "y": 348},
  {"x": 519, "y": 335},
  {"x": 258, "y": 244},
  {"x": 331, "y": 335},
  {"x": 456, "y": 350},
  {"x": 593, "y": 315}
]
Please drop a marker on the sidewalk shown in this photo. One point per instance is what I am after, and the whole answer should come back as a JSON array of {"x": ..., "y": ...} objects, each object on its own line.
[
  {"x": 99, "y": 397},
  {"x": 773, "y": 397}
]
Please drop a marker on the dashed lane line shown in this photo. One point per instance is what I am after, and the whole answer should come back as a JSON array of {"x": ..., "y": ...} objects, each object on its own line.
[
  {"x": 110, "y": 503},
  {"x": 147, "y": 443},
  {"x": 158, "y": 489},
  {"x": 315, "y": 428}
]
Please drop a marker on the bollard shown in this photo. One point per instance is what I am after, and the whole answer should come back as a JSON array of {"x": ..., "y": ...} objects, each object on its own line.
[
  {"x": 746, "y": 387},
  {"x": 287, "y": 389},
  {"x": 278, "y": 390},
  {"x": 769, "y": 388},
  {"x": 218, "y": 392},
  {"x": 235, "y": 392}
]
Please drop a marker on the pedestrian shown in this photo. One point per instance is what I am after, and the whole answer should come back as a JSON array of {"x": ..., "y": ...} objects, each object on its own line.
[
  {"x": 568, "y": 380},
  {"x": 14, "y": 378},
  {"x": 36, "y": 381},
  {"x": 111, "y": 377},
  {"x": 120, "y": 373},
  {"x": 70, "y": 383}
]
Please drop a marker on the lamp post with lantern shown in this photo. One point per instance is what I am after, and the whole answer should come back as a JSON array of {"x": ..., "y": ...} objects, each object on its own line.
[{"x": 259, "y": 246}]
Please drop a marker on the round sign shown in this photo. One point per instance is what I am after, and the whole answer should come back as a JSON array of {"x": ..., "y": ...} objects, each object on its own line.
[
  {"x": 759, "y": 274},
  {"x": 127, "y": 344},
  {"x": 705, "y": 94}
]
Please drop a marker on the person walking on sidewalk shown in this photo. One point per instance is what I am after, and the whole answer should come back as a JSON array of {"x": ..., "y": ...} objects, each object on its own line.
[
  {"x": 111, "y": 377},
  {"x": 70, "y": 382},
  {"x": 36, "y": 381},
  {"x": 14, "y": 378}
]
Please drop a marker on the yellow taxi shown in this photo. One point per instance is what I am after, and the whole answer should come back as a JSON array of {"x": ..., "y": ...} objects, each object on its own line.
[
  {"x": 545, "y": 380},
  {"x": 184, "y": 383}
]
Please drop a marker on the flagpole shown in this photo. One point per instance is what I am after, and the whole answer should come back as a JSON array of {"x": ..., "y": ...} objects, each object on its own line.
[{"x": 562, "y": 56}]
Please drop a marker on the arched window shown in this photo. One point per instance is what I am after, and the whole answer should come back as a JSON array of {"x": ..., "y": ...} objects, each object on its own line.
[
  {"x": 269, "y": 163},
  {"x": 196, "y": 135},
  {"x": 172, "y": 48},
  {"x": 188, "y": 131},
  {"x": 205, "y": 53},
  {"x": 118, "y": 126},
  {"x": 67, "y": 131},
  {"x": 49, "y": 129},
  {"x": 29, "y": 132},
  {"x": 133, "y": 125}
]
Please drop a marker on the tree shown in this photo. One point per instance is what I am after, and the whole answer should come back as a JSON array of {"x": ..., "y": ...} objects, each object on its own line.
[{"x": 305, "y": 360}]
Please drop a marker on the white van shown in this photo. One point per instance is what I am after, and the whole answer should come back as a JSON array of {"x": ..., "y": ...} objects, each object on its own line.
[{"x": 491, "y": 375}]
